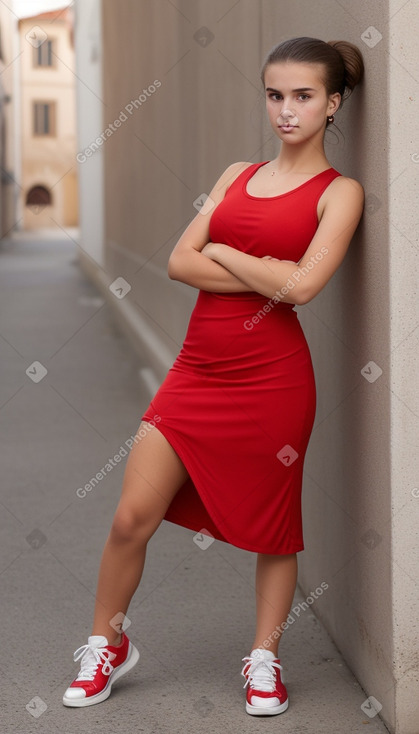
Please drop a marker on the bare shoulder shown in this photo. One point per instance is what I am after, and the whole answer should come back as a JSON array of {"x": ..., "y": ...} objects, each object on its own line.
[
  {"x": 238, "y": 167},
  {"x": 229, "y": 176},
  {"x": 342, "y": 192},
  {"x": 343, "y": 185}
]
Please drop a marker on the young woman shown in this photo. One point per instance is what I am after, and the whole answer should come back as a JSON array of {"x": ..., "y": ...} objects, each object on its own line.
[{"x": 221, "y": 446}]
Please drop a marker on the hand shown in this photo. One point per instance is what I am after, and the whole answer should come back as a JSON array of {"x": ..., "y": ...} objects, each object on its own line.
[{"x": 269, "y": 257}]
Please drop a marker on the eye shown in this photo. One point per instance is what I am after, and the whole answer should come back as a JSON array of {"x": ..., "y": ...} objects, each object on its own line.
[{"x": 276, "y": 95}]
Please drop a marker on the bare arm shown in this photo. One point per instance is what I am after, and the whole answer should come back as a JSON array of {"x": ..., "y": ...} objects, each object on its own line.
[
  {"x": 265, "y": 275},
  {"x": 299, "y": 283},
  {"x": 187, "y": 264}
]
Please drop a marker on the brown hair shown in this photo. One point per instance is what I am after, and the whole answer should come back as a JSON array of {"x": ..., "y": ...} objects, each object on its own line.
[{"x": 342, "y": 62}]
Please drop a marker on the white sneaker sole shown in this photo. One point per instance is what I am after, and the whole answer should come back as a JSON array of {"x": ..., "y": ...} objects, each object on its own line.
[
  {"x": 266, "y": 711},
  {"x": 132, "y": 659}
]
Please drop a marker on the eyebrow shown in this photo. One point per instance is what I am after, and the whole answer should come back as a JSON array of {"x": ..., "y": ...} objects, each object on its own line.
[{"x": 301, "y": 89}]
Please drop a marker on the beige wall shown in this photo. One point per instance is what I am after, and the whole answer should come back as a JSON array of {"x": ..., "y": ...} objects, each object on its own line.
[
  {"x": 49, "y": 160},
  {"x": 359, "y": 494},
  {"x": 88, "y": 46},
  {"x": 400, "y": 362}
]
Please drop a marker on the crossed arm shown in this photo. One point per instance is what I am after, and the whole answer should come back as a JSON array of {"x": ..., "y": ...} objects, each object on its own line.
[{"x": 219, "y": 267}]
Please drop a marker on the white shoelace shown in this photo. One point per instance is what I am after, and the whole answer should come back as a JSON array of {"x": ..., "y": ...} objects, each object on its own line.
[
  {"x": 91, "y": 658},
  {"x": 261, "y": 674}
]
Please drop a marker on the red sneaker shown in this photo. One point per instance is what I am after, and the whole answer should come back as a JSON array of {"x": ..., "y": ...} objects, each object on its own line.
[
  {"x": 266, "y": 694},
  {"x": 101, "y": 665}
]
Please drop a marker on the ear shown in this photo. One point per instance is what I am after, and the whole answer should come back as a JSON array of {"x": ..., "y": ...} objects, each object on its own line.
[{"x": 334, "y": 103}]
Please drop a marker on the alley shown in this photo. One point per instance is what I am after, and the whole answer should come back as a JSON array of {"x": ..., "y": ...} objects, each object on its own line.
[{"x": 70, "y": 397}]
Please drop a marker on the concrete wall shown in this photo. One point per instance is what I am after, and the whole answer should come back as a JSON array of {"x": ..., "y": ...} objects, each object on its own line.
[
  {"x": 399, "y": 363},
  {"x": 359, "y": 494},
  {"x": 91, "y": 113}
]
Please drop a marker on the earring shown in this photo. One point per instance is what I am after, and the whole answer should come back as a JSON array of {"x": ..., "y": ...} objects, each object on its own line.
[{"x": 331, "y": 118}]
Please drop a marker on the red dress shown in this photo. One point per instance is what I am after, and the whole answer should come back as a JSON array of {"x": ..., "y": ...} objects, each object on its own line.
[{"x": 238, "y": 404}]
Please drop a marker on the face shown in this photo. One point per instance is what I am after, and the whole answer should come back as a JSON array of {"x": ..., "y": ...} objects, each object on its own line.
[{"x": 296, "y": 101}]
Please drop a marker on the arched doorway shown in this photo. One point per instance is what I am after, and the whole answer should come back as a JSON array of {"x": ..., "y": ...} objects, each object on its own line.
[{"x": 38, "y": 197}]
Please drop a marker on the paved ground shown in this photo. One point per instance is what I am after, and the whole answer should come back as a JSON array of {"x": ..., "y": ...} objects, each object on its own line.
[{"x": 192, "y": 616}]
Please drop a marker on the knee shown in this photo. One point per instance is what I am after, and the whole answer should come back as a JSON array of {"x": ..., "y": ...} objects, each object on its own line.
[{"x": 128, "y": 527}]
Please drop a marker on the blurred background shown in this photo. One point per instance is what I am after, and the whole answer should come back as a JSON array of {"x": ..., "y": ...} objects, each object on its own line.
[
  {"x": 38, "y": 121},
  {"x": 115, "y": 118}
]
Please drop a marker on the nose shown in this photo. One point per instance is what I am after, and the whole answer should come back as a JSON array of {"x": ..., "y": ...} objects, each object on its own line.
[{"x": 287, "y": 115}]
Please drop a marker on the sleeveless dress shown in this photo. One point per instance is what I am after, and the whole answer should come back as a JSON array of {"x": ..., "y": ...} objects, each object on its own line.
[{"x": 238, "y": 404}]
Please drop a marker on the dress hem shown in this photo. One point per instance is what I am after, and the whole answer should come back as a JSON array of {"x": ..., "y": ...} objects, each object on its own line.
[{"x": 171, "y": 438}]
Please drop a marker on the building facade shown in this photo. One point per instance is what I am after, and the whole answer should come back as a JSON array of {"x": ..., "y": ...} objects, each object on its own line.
[{"x": 49, "y": 196}]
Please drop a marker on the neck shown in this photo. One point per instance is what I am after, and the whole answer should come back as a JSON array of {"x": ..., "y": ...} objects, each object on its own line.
[{"x": 303, "y": 158}]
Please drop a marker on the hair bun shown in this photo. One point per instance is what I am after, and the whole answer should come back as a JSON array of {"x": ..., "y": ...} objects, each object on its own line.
[{"x": 352, "y": 60}]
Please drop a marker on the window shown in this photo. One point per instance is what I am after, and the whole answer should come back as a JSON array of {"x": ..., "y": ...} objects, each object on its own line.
[
  {"x": 44, "y": 118},
  {"x": 42, "y": 55}
]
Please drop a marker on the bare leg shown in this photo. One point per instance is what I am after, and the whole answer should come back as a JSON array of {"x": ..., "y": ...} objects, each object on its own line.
[
  {"x": 153, "y": 475},
  {"x": 276, "y": 579}
]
